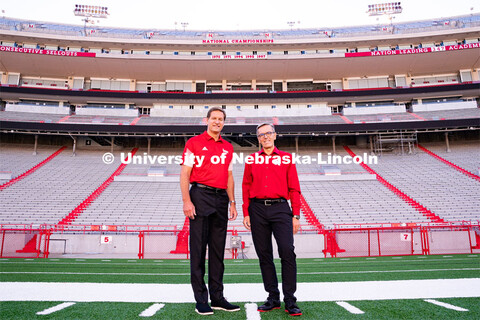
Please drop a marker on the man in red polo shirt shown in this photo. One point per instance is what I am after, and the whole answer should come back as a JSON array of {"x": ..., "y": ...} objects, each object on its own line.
[
  {"x": 269, "y": 180},
  {"x": 207, "y": 167}
]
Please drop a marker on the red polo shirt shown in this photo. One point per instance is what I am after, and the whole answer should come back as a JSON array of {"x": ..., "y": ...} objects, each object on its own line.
[
  {"x": 210, "y": 160},
  {"x": 271, "y": 180}
]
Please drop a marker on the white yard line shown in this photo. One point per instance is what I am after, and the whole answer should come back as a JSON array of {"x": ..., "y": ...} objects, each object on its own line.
[
  {"x": 152, "y": 310},
  {"x": 181, "y": 293},
  {"x": 388, "y": 271},
  {"x": 347, "y": 306},
  {"x": 56, "y": 308},
  {"x": 445, "y": 305},
  {"x": 255, "y": 263},
  {"x": 103, "y": 273},
  {"x": 231, "y": 274},
  {"x": 252, "y": 312}
]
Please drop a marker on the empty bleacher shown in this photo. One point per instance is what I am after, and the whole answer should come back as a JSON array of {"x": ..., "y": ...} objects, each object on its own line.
[
  {"x": 449, "y": 114},
  {"x": 142, "y": 202},
  {"x": 443, "y": 190},
  {"x": 16, "y": 159},
  {"x": 464, "y": 154},
  {"x": 52, "y": 191},
  {"x": 187, "y": 120},
  {"x": 114, "y": 120},
  {"x": 30, "y": 116},
  {"x": 354, "y": 197},
  {"x": 241, "y": 120},
  {"x": 136, "y": 203},
  {"x": 356, "y": 202}
]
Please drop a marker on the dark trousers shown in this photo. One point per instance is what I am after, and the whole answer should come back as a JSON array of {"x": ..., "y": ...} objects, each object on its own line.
[
  {"x": 208, "y": 228},
  {"x": 276, "y": 219}
]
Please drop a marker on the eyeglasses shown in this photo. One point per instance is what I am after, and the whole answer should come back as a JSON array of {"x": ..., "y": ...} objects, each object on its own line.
[{"x": 266, "y": 134}]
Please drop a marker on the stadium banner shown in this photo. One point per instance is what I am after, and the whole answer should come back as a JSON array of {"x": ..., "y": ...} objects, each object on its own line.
[
  {"x": 413, "y": 51},
  {"x": 241, "y": 56},
  {"x": 47, "y": 52}
]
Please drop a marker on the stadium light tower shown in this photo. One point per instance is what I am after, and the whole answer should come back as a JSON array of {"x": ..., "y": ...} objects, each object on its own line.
[
  {"x": 388, "y": 9},
  {"x": 90, "y": 12},
  {"x": 184, "y": 25}
]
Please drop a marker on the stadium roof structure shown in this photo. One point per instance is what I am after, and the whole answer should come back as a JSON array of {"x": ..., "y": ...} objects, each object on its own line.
[
  {"x": 462, "y": 22},
  {"x": 148, "y": 67}
]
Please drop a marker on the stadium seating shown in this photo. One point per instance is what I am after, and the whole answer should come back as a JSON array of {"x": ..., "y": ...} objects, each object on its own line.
[
  {"x": 187, "y": 120},
  {"x": 54, "y": 190},
  {"x": 50, "y": 193},
  {"x": 144, "y": 202},
  {"x": 464, "y": 154},
  {"x": 443, "y": 190}
]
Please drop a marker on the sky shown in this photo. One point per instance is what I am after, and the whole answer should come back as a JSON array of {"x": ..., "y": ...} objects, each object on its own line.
[{"x": 234, "y": 14}]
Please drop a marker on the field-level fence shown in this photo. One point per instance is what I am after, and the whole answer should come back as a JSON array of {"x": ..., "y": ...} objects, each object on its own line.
[
  {"x": 391, "y": 241},
  {"x": 169, "y": 242}
]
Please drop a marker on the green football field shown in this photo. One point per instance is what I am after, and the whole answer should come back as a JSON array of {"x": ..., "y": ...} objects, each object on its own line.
[{"x": 430, "y": 287}]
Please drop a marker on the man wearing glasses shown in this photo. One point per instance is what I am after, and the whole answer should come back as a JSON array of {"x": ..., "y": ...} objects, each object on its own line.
[
  {"x": 268, "y": 183},
  {"x": 207, "y": 167}
]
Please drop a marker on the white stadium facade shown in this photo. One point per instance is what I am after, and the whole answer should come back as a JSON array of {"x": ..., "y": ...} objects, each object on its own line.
[{"x": 407, "y": 93}]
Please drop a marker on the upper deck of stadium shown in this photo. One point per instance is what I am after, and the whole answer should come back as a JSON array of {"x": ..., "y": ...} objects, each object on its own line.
[
  {"x": 81, "y": 71},
  {"x": 160, "y": 55},
  {"x": 268, "y": 36}
]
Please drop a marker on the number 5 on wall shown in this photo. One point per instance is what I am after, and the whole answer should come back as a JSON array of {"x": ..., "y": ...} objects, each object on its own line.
[{"x": 105, "y": 239}]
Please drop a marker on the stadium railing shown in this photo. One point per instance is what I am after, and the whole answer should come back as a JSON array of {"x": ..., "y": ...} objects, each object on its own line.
[{"x": 402, "y": 240}]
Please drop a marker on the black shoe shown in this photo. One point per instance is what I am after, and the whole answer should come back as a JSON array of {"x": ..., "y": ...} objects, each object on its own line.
[
  {"x": 270, "y": 304},
  {"x": 203, "y": 309},
  {"x": 292, "y": 309},
  {"x": 224, "y": 305}
]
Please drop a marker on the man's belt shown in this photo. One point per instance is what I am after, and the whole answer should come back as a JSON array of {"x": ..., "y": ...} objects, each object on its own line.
[
  {"x": 268, "y": 202},
  {"x": 204, "y": 186}
]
